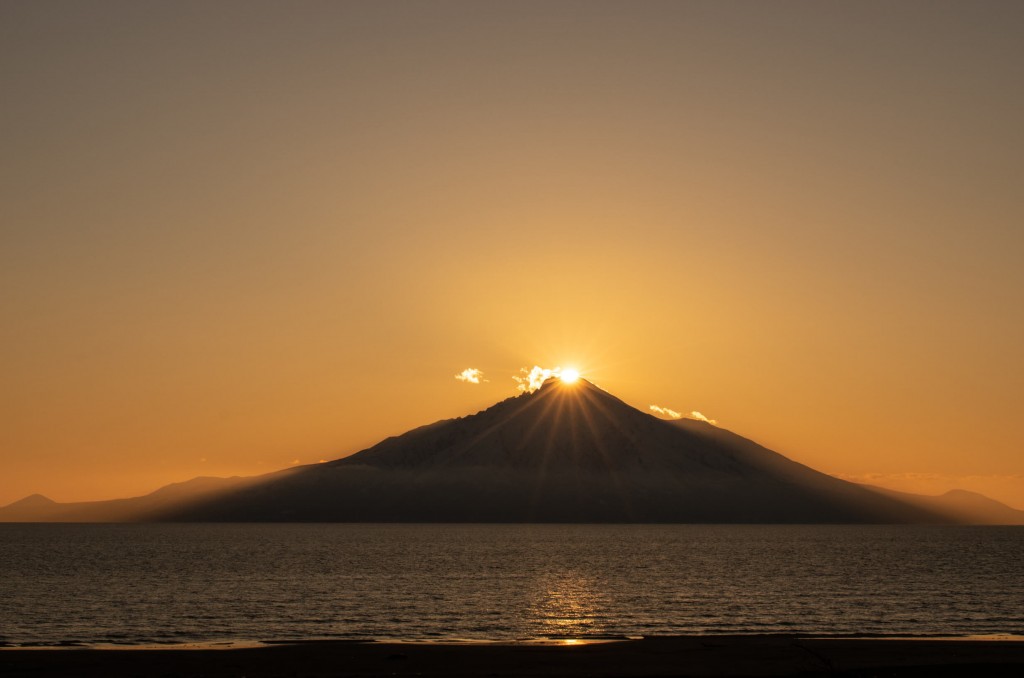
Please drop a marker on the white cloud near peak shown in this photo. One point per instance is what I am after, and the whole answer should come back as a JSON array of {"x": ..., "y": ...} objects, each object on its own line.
[
  {"x": 534, "y": 378},
  {"x": 470, "y": 375}
]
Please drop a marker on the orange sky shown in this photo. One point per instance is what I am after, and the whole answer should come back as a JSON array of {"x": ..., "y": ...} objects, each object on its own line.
[{"x": 235, "y": 235}]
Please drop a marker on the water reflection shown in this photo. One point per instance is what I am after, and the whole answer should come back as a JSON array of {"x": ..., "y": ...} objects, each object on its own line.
[
  {"x": 568, "y": 605},
  {"x": 216, "y": 582}
]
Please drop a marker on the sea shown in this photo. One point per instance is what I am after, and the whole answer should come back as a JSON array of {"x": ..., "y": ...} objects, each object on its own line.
[{"x": 144, "y": 584}]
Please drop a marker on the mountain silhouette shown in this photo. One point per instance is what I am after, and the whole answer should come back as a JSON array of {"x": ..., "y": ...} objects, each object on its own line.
[{"x": 563, "y": 453}]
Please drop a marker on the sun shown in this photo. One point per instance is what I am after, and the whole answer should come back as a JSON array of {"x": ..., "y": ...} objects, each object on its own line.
[{"x": 568, "y": 376}]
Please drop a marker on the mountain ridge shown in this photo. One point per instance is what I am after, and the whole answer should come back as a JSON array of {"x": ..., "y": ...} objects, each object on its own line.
[{"x": 562, "y": 453}]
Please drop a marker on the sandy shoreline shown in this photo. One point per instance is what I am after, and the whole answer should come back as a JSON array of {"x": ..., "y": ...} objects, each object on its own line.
[{"x": 660, "y": 656}]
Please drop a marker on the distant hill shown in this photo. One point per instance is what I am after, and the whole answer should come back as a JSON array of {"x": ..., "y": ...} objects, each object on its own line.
[
  {"x": 153, "y": 506},
  {"x": 960, "y": 506},
  {"x": 564, "y": 453}
]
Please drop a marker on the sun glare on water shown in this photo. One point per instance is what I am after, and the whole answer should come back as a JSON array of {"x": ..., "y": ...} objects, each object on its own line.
[{"x": 568, "y": 375}]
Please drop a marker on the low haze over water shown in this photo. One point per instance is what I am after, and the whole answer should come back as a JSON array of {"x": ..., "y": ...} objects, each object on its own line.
[{"x": 188, "y": 583}]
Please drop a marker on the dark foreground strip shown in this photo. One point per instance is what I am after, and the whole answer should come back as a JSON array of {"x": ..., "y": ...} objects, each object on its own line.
[{"x": 677, "y": 656}]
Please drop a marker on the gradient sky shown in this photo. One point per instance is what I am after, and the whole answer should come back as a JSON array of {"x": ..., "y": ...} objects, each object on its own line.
[{"x": 237, "y": 235}]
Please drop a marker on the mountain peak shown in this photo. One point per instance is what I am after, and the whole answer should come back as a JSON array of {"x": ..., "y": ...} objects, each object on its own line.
[
  {"x": 558, "y": 382},
  {"x": 560, "y": 426}
]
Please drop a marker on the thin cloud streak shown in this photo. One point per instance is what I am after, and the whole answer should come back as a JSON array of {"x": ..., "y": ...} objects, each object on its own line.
[
  {"x": 669, "y": 412},
  {"x": 666, "y": 412},
  {"x": 868, "y": 477},
  {"x": 700, "y": 417}
]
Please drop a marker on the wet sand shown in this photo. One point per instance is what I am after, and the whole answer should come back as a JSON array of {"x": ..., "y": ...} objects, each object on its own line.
[{"x": 675, "y": 656}]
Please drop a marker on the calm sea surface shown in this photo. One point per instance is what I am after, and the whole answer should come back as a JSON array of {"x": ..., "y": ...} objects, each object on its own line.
[{"x": 186, "y": 583}]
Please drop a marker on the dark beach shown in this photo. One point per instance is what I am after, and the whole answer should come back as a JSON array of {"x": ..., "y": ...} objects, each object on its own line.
[{"x": 660, "y": 656}]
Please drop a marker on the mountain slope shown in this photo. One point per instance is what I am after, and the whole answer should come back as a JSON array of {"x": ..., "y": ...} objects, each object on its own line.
[{"x": 565, "y": 453}]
